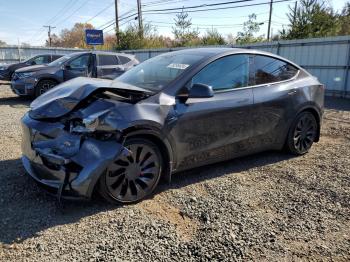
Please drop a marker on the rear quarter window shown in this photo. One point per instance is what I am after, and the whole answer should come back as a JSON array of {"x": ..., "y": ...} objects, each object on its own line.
[
  {"x": 267, "y": 69},
  {"x": 108, "y": 60},
  {"x": 124, "y": 59}
]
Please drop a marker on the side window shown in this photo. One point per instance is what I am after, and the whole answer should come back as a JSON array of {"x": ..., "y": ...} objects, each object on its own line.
[
  {"x": 53, "y": 57},
  {"x": 108, "y": 60},
  {"x": 225, "y": 73},
  {"x": 123, "y": 59},
  {"x": 80, "y": 62},
  {"x": 39, "y": 60},
  {"x": 268, "y": 70}
]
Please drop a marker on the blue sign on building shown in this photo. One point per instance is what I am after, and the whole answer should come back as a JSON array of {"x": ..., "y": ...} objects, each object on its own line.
[{"x": 94, "y": 37}]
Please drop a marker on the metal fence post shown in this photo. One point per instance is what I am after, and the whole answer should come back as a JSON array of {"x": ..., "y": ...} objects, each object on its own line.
[
  {"x": 347, "y": 69},
  {"x": 278, "y": 48},
  {"x": 19, "y": 53}
]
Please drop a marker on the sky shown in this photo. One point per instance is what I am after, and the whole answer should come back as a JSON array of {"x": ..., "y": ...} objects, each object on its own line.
[{"x": 22, "y": 21}]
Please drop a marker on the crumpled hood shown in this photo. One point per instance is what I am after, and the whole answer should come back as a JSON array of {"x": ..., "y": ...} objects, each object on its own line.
[
  {"x": 65, "y": 97},
  {"x": 33, "y": 68}
]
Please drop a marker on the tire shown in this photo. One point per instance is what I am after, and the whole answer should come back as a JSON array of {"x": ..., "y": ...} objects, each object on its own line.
[
  {"x": 132, "y": 177},
  {"x": 302, "y": 133},
  {"x": 43, "y": 86}
]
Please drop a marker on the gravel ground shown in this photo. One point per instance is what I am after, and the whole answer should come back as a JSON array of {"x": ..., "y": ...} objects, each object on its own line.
[{"x": 270, "y": 206}]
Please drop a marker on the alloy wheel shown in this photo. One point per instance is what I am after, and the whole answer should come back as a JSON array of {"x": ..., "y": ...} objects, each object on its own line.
[
  {"x": 305, "y": 133},
  {"x": 45, "y": 86},
  {"x": 134, "y": 175}
]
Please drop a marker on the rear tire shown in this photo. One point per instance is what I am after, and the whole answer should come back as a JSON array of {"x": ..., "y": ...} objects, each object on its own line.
[
  {"x": 43, "y": 86},
  {"x": 133, "y": 177},
  {"x": 302, "y": 133}
]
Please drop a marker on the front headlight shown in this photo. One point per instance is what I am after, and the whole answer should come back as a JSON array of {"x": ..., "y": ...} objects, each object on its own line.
[
  {"x": 3, "y": 67},
  {"x": 25, "y": 74},
  {"x": 87, "y": 125}
]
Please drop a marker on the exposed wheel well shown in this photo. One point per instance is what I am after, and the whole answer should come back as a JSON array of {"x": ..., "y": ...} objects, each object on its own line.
[
  {"x": 166, "y": 173},
  {"x": 318, "y": 120}
]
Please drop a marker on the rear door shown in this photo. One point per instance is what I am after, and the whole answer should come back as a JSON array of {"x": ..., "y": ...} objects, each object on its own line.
[
  {"x": 274, "y": 95},
  {"x": 217, "y": 128},
  {"x": 80, "y": 66},
  {"x": 108, "y": 66}
]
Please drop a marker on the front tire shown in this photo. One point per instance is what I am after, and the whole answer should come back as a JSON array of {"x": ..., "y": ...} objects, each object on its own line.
[
  {"x": 43, "y": 86},
  {"x": 302, "y": 133},
  {"x": 134, "y": 176}
]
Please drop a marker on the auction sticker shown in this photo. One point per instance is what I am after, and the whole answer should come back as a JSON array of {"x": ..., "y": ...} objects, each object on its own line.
[{"x": 178, "y": 66}]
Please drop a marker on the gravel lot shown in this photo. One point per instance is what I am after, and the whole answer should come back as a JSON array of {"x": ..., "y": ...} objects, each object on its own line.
[{"x": 269, "y": 206}]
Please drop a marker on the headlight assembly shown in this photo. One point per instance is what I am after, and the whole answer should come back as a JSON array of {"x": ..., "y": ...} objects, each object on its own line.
[
  {"x": 83, "y": 126},
  {"x": 25, "y": 74}
]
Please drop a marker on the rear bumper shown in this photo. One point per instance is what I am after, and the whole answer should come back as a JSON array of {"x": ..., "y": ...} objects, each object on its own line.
[{"x": 49, "y": 160}]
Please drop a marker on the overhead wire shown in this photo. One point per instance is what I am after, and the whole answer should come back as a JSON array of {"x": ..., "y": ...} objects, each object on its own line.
[
  {"x": 100, "y": 12},
  {"x": 173, "y": 10}
]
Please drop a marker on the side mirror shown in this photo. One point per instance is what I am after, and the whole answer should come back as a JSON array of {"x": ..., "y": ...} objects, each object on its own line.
[
  {"x": 33, "y": 63},
  {"x": 68, "y": 67},
  {"x": 200, "y": 91}
]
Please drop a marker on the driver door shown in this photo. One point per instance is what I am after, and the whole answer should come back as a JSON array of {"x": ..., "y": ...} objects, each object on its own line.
[
  {"x": 77, "y": 67},
  {"x": 217, "y": 128}
]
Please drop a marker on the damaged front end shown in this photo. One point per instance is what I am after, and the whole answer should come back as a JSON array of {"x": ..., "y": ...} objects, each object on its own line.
[{"x": 69, "y": 142}]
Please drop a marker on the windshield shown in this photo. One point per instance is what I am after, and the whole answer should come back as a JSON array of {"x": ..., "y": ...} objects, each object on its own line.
[
  {"x": 61, "y": 60},
  {"x": 28, "y": 60},
  {"x": 155, "y": 73}
]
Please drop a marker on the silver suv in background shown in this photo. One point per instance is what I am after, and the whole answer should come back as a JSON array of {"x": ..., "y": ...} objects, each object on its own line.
[{"x": 36, "y": 80}]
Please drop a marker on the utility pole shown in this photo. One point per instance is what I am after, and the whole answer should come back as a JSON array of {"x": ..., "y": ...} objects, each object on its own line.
[
  {"x": 139, "y": 17},
  {"x": 49, "y": 32},
  {"x": 269, "y": 25},
  {"x": 116, "y": 20}
]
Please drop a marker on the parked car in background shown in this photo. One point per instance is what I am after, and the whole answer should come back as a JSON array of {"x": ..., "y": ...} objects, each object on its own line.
[
  {"x": 36, "y": 80},
  {"x": 173, "y": 112},
  {"x": 6, "y": 71}
]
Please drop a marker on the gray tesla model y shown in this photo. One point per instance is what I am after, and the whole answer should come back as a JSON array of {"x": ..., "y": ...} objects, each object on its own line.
[{"x": 173, "y": 112}]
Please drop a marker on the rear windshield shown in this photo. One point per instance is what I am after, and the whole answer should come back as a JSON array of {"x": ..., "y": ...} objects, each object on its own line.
[{"x": 155, "y": 73}]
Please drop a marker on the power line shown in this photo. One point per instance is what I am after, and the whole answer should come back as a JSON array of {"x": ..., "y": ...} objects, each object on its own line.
[
  {"x": 40, "y": 31},
  {"x": 65, "y": 8},
  {"x": 100, "y": 12},
  {"x": 200, "y": 6},
  {"x": 160, "y": 22},
  {"x": 200, "y": 10},
  {"x": 213, "y": 9},
  {"x": 227, "y": 17},
  {"x": 74, "y": 12},
  {"x": 121, "y": 24},
  {"x": 113, "y": 21},
  {"x": 166, "y": 2}
]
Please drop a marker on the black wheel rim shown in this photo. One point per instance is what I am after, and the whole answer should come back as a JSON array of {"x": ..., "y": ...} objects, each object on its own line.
[
  {"x": 44, "y": 87},
  {"x": 305, "y": 133},
  {"x": 134, "y": 175}
]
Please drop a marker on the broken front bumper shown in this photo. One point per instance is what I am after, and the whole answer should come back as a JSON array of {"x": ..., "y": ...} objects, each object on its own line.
[{"x": 62, "y": 161}]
